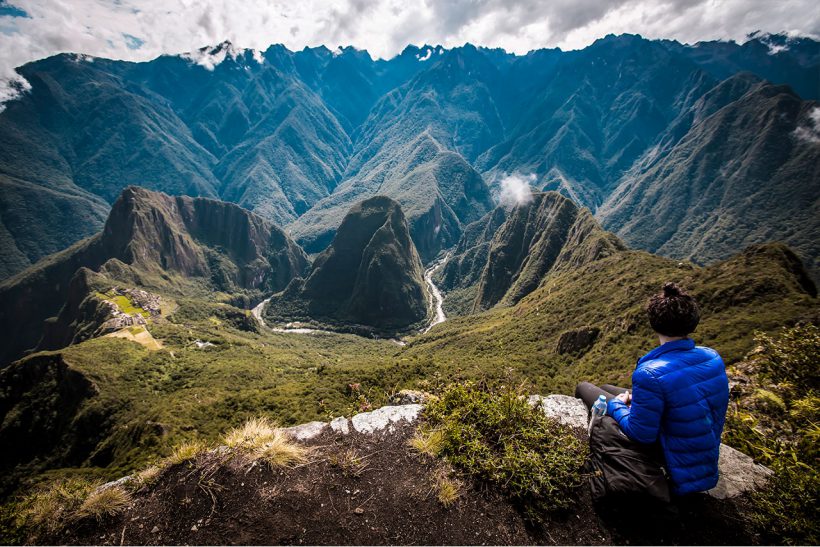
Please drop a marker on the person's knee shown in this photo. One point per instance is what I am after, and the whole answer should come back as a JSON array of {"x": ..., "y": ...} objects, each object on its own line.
[{"x": 580, "y": 388}]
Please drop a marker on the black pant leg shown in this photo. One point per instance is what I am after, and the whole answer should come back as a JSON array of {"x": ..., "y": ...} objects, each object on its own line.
[
  {"x": 589, "y": 393},
  {"x": 614, "y": 390}
]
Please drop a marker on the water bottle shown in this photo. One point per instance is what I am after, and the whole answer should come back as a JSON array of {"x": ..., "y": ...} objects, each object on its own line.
[{"x": 598, "y": 409}]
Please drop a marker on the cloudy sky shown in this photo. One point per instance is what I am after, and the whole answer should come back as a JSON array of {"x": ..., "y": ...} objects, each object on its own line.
[{"x": 144, "y": 29}]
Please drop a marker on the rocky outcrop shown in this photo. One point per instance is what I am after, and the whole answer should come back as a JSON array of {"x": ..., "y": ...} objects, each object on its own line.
[
  {"x": 738, "y": 472},
  {"x": 567, "y": 410}
]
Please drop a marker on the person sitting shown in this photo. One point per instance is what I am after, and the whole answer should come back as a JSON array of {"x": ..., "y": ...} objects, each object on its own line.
[{"x": 679, "y": 398}]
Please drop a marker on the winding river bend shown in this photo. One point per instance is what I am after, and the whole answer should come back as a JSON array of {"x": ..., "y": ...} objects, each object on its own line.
[
  {"x": 436, "y": 303},
  {"x": 436, "y": 300}
]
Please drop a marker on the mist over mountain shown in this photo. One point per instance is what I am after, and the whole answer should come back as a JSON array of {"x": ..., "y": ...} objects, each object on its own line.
[{"x": 300, "y": 137}]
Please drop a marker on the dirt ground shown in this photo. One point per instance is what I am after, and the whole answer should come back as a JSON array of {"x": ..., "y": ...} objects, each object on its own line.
[{"x": 374, "y": 490}]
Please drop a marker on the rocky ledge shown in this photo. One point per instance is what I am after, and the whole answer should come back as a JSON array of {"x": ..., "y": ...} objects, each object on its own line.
[
  {"x": 738, "y": 472},
  {"x": 362, "y": 484}
]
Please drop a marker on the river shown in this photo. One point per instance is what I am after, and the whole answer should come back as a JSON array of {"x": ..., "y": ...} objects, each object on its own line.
[{"x": 436, "y": 302}]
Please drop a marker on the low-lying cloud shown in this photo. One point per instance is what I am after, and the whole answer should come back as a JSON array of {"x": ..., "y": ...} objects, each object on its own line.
[
  {"x": 811, "y": 131},
  {"x": 516, "y": 190},
  {"x": 139, "y": 30}
]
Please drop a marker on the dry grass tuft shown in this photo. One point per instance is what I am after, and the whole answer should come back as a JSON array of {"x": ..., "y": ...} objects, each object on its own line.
[
  {"x": 429, "y": 442},
  {"x": 148, "y": 476},
  {"x": 103, "y": 503},
  {"x": 448, "y": 490},
  {"x": 47, "y": 509},
  {"x": 253, "y": 434},
  {"x": 260, "y": 438},
  {"x": 280, "y": 451},
  {"x": 186, "y": 451},
  {"x": 349, "y": 462}
]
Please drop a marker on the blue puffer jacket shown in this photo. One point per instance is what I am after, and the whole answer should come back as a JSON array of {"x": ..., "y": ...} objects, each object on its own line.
[{"x": 680, "y": 394}]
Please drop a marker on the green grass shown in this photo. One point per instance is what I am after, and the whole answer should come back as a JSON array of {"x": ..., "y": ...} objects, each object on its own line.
[
  {"x": 125, "y": 304},
  {"x": 781, "y": 430}
]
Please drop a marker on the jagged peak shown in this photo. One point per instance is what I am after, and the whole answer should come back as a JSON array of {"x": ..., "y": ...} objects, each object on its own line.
[{"x": 209, "y": 57}]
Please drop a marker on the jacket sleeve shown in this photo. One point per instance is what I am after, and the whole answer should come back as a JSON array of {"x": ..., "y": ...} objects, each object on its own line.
[{"x": 641, "y": 422}]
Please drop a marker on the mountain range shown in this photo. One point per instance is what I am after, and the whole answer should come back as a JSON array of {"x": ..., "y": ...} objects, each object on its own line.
[{"x": 691, "y": 151}]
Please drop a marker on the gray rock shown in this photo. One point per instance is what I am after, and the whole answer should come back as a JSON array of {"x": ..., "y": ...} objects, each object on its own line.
[
  {"x": 409, "y": 397},
  {"x": 385, "y": 417},
  {"x": 305, "y": 432},
  {"x": 121, "y": 482},
  {"x": 738, "y": 474},
  {"x": 567, "y": 410},
  {"x": 340, "y": 425}
]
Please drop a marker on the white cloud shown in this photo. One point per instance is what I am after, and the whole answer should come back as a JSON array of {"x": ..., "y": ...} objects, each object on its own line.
[
  {"x": 516, "y": 190},
  {"x": 811, "y": 131},
  {"x": 139, "y": 30}
]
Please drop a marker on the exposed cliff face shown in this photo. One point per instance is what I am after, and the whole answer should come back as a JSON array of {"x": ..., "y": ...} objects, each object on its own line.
[
  {"x": 199, "y": 237},
  {"x": 464, "y": 268},
  {"x": 507, "y": 254},
  {"x": 180, "y": 244},
  {"x": 370, "y": 275}
]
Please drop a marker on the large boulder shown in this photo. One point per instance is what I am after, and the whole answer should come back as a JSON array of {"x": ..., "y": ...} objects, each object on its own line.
[{"x": 738, "y": 474}]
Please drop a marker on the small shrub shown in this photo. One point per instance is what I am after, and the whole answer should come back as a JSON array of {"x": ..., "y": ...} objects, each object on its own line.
[
  {"x": 494, "y": 435},
  {"x": 100, "y": 504},
  {"x": 777, "y": 424},
  {"x": 791, "y": 356},
  {"x": 785, "y": 511},
  {"x": 769, "y": 401}
]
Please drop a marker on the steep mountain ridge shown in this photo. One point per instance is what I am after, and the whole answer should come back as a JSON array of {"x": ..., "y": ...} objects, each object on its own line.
[
  {"x": 370, "y": 276},
  {"x": 749, "y": 162},
  {"x": 598, "y": 111},
  {"x": 506, "y": 255},
  {"x": 176, "y": 244}
]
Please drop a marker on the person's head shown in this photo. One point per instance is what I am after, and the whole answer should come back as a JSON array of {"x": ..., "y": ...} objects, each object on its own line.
[{"x": 673, "y": 313}]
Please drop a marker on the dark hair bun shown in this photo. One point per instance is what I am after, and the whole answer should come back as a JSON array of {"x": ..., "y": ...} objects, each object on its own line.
[{"x": 671, "y": 289}]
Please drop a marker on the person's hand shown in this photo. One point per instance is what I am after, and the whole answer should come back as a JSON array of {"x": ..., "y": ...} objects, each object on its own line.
[{"x": 624, "y": 397}]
